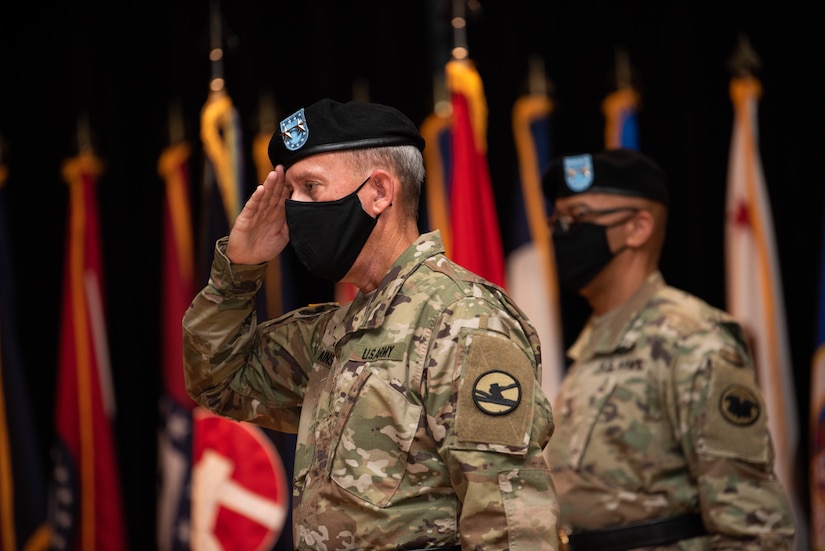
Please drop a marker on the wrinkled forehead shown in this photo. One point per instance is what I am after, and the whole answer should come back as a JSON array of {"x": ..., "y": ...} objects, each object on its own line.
[{"x": 322, "y": 167}]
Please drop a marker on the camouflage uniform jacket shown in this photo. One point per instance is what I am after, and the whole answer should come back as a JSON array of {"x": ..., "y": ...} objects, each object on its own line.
[
  {"x": 660, "y": 415},
  {"x": 418, "y": 408}
]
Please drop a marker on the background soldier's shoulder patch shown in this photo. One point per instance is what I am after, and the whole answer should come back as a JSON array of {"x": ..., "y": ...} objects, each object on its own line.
[
  {"x": 739, "y": 405},
  {"x": 735, "y": 424},
  {"x": 495, "y": 394}
]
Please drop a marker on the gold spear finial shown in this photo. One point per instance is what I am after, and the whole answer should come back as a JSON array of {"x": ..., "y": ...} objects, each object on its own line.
[
  {"x": 744, "y": 61},
  {"x": 624, "y": 71}
]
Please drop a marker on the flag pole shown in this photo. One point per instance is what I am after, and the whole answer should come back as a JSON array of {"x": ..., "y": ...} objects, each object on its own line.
[
  {"x": 216, "y": 82},
  {"x": 177, "y": 134},
  {"x": 4, "y": 172},
  {"x": 460, "y": 49}
]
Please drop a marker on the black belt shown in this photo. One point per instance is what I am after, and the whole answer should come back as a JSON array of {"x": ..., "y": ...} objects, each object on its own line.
[
  {"x": 448, "y": 548},
  {"x": 640, "y": 534}
]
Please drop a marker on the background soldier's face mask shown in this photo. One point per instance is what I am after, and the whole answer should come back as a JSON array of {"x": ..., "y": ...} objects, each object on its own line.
[
  {"x": 582, "y": 249},
  {"x": 328, "y": 235},
  {"x": 581, "y": 253}
]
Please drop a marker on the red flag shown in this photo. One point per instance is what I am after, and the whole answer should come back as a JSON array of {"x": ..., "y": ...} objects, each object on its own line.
[
  {"x": 178, "y": 288},
  {"x": 87, "y": 511},
  {"x": 476, "y": 237}
]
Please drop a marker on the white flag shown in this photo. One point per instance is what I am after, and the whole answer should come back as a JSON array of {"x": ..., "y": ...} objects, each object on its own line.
[{"x": 754, "y": 289}]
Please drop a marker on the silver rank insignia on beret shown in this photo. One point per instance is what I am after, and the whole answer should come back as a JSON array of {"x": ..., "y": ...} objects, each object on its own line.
[
  {"x": 578, "y": 172},
  {"x": 294, "y": 130}
]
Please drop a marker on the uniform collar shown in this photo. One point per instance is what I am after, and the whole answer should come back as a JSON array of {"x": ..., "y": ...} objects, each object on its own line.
[
  {"x": 367, "y": 311},
  {"x": 604, "y": 334}
]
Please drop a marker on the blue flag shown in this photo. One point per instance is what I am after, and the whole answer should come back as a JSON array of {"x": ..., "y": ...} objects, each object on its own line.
[{"x": 23, "y": 495}]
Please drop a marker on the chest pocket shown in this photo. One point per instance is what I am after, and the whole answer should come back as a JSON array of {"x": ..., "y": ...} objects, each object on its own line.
[
  {"x": 588, "y": 414},
  {"x": 377, "y": 430},
  {"x": 623, "y": 425}
]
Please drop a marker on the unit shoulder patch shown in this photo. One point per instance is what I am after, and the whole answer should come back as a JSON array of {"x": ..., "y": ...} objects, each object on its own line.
[
  {"x": 495, "y": 393},
  {"x": 739, "y": 405}
]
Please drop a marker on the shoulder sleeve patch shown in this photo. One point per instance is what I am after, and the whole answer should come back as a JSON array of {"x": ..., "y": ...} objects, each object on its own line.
[
  {"x": 495, "y": 396},
  {"x": 735, "y": 417}
]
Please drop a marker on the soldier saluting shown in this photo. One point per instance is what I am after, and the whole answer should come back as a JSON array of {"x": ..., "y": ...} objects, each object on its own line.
[{"x": 393, "y": 450}]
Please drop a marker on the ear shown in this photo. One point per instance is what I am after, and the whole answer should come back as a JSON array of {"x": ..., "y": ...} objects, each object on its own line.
[
  {"x": 641, "y": 229},
  {"x": 383, "y": 186}
]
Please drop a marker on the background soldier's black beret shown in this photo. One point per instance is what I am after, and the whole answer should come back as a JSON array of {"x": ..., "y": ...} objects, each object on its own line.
[
  {"x": 328, "y": 125},
  {"x": 618, "y": 171}
]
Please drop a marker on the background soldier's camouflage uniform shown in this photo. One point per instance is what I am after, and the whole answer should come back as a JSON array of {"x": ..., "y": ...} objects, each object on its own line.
[
  {"x": 660, "y": 415},
  {"x": 392, "y": 451}
]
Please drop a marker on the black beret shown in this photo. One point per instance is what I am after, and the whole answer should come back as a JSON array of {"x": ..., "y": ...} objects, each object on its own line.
[
  {"x": 328, "y": 125},
  {"x": 619, "y": 171}
]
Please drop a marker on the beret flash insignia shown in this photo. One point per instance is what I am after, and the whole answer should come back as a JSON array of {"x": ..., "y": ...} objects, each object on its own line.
[
  {"x": 578, "y": 172},
  {"x": 294, "y": 130}
]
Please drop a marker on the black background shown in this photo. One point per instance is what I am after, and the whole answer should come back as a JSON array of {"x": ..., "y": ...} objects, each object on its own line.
[{"x": 123, "y": 64}]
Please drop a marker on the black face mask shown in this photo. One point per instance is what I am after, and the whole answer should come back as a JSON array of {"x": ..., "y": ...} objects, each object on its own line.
[
  {"x": 581, "y": 253},
  {"x": 328, "y": 235}
]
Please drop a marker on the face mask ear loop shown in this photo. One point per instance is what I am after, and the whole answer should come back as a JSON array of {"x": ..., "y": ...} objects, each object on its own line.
[{"x": 624, "y": 247}]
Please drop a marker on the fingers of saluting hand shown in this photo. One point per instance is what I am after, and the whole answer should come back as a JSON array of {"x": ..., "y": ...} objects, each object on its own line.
[
  {"x": 275, "y": 189},
  {"x": 259, "y": 232},
  {"x": 269, "y": 197}
]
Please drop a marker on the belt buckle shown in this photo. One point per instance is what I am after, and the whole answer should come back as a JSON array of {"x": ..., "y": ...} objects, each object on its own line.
[{"x": 564, "y": 538}]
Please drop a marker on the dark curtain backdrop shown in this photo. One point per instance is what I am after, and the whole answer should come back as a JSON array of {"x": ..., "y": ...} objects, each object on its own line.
[{"x": 122, "y": 65}]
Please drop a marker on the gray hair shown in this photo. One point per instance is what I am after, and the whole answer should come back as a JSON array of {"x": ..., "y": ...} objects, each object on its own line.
[{"x": 405, "y": 162}]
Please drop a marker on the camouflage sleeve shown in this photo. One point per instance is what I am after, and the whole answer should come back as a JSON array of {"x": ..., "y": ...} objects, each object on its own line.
[
  {"x": 492, "y": 419},
  {"x": 237, "y": 368},
  {"x": 728, "y": 446}
]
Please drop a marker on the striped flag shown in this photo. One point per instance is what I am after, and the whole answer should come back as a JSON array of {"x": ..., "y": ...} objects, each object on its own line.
[
  {"x": 86, "y": 511},
  {"x": 476, "y": 237},
  {"x": 23, "y": 495},
  {"x": 531, "y": 266},
  {"x": 178, "y": 288},
  {"x": 621, "y": 128},
  {"x": 240, "y": 493},
  {"x": 754, "y": 288},
  {"x": 817, "y": 420}
]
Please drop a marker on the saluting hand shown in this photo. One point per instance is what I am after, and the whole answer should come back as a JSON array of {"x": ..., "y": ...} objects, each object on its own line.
[{"x": 260, "y": 232}]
